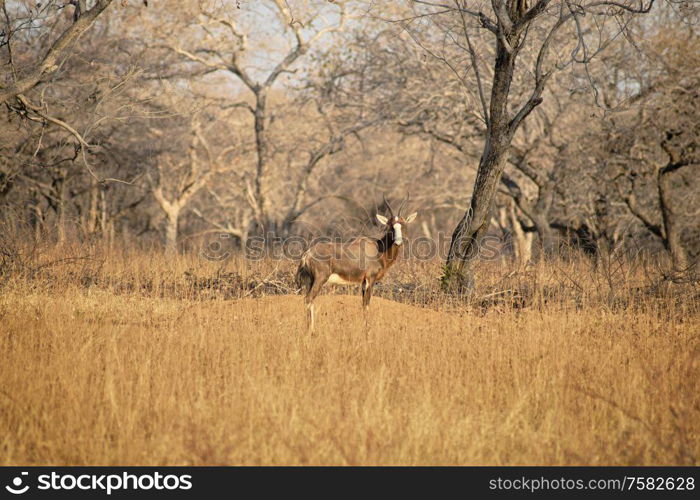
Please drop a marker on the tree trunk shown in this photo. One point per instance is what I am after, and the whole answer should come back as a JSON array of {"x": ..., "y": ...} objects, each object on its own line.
[
  {"x": 103, "y": 212},
  {"x": 262, "y": 147},
  {"x": 60, "y": 206},
  {"x": 171, "y": 222},
  {"x": 672, "y": 229},
  {"x": 522, "y": 240},
  {"x": 545, "y": 234},
  {"x": 92, "y": 213},
  {"x": 540, "y": 219},
  {"x": 467, "y": 236},
  {"x": 36, "y": 216}
]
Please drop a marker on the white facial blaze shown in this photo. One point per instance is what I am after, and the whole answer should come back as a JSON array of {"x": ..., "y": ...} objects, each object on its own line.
[{"x": 398, "y": 238}]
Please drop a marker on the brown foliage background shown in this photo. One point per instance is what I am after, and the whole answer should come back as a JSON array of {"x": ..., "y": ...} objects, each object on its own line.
[{"x": 164, "y": 128}]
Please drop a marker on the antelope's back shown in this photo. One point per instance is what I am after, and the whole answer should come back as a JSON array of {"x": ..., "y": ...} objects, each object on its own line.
[{"x": 358, "y": 254}]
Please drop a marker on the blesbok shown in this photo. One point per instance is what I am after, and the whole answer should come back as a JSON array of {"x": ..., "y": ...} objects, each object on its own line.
[{"x": 361, "y": 261}]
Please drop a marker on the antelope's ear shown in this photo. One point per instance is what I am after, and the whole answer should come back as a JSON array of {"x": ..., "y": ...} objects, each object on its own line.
[
  {"x": 382, "y": 220},
  {"x": 411, "y": 217}
]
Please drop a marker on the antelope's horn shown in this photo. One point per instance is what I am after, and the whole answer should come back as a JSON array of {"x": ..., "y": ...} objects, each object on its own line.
[
  {"x": 386, "y": 202},
  {"x": 403, "y": 203}
]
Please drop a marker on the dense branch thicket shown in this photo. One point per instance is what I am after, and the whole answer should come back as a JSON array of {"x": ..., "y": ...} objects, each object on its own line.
[{"x": 169, "y": 124}]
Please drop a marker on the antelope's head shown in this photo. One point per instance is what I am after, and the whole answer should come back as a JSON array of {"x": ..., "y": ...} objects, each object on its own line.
[{"x": 395, "y": 224}]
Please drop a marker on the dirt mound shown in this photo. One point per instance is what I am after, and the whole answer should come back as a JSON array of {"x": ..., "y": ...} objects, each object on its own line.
[
  {"x": 335, "y": 312},
  {"x": 352, "y": 303}
]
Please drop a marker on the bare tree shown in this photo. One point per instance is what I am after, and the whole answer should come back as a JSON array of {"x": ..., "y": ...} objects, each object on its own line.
[
  {"x": 178, "y": 182},
  {"x": 224, "y": 46},
  {"x": 652, "y": 148},
  {"x": 56, "y": 144},
  {"x": 556, "y": 33},
  {"x": 23, "y": 79}
]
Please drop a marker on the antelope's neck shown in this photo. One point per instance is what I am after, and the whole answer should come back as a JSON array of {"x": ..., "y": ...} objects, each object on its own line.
[{"x": 389, "y": 250}]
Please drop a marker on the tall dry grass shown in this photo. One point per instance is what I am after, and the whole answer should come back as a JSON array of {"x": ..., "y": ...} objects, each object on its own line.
[{"x": 129, "y": 358}]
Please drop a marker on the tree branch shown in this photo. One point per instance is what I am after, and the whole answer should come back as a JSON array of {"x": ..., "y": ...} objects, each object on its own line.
[{"x": 60, "y": 48}]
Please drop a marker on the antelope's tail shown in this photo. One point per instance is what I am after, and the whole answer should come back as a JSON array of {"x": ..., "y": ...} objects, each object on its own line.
[{"x": 304, "y": 277}]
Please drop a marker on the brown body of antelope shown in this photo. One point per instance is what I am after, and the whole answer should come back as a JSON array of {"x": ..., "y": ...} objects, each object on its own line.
[{"x": 362, "y": 261}]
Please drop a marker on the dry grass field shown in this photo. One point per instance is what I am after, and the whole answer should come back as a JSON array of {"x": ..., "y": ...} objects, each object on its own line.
[{"x": 128, "y": 358}]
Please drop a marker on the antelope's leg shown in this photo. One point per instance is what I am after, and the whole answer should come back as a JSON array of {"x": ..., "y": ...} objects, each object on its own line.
[
  {"x": 363, "y": 292},
  {"x": 309, "y": 301},
  {"x": 311, "y": 317},
  {"x": 366, "y": 293},
  {"x": 366, "y": 296}
]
